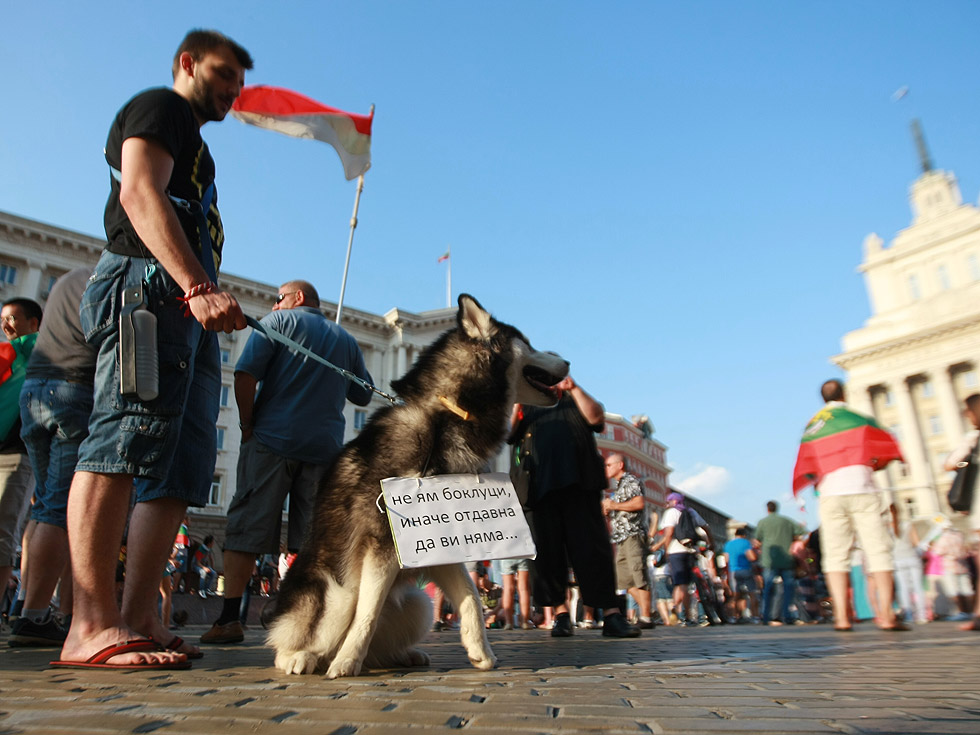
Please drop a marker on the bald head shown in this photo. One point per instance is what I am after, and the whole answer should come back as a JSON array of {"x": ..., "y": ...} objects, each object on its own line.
[
  {"x": 297, "y": 293},
  {"x": 832, "y": 390}
]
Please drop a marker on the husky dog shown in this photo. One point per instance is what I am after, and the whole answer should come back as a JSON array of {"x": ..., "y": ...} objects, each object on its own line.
[{"x": 345, "y": 602}]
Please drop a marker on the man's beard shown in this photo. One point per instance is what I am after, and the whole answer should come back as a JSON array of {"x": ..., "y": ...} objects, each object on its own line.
[{"x": 203, "y": 103}]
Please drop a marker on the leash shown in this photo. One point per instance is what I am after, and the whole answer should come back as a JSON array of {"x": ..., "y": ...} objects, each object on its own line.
[
  {"x": 294, "y": 345},
  {"x": 199, "y": 210}
]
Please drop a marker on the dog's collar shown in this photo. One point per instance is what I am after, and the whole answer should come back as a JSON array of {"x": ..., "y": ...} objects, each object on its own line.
[{"x": 454, "y": 407}]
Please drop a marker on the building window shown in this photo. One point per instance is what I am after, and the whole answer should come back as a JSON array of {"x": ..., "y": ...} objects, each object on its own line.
[
  {"x": 914, "y": 292},
  {"x": 935, "y": 425},
  {"x": 896, "y": 431},
  {"x": 221, "y": 438},
  {"x": 927, "y": 391},
  {"x": 225, "y": 356},
  {"x": 215, "y": 497},
  {"x": 360, "y": 419},
  {"x": 973, "y": 263},
  {"x": 970, "y": 379},
  {"x": 225, "y": 392},
  {"x": 8, "y": 274},
  {"x": 942, "y": 273},
  {"x": 888, "y": 398}
]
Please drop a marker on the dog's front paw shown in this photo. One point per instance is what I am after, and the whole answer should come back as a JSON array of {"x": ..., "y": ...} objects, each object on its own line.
[
  {"x": 344, "y": 667},
  {"x": 484, "y": 660},
  {"x": 417, "y": 657},
  {"x": 298, "y": 662}
]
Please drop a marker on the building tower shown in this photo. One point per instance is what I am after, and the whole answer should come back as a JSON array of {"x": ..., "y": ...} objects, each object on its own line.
[{"x": 916, "y": 357}]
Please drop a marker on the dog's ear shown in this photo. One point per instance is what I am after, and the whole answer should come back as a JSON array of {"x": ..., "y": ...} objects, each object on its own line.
[{"x": 473, "y": 320}]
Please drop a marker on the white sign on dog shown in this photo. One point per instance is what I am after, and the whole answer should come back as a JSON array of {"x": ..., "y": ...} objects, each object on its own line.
[{"x": 456, "y": 518}]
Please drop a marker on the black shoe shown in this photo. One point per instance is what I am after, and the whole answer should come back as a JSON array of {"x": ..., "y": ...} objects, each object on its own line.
[
  {"x": 563, "y": 626},
  {"x": 645, "y": 624},
  {"x": 26, "y": 632},
  {"x": 617, "y": 626}
]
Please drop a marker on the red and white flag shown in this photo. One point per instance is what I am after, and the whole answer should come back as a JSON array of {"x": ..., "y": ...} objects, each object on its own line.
[
  {"x": 444, "y": 256},
  {"x": 294, "y": 114}
]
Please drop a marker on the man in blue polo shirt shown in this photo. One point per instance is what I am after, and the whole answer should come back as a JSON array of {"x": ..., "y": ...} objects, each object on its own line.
[{"x": 291, "y": 413}]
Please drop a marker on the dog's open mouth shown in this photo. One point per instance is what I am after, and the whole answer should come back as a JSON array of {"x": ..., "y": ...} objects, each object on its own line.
[{"x": 541, "y": 380}]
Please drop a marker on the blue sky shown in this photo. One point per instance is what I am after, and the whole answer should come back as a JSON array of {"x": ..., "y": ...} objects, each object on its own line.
[{"x": 672, "y": 195}]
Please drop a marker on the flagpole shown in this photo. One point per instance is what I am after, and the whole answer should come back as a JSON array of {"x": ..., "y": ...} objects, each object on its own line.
[
  {"x": 449, "y": 278},
  {"x": 350, "y": 240}
]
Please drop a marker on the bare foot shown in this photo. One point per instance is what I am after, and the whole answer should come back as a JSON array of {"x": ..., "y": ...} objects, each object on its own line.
[{"x": 79, "y": 648}]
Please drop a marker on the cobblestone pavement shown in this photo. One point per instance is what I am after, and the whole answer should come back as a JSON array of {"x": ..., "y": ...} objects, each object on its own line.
[{"x": 727, "y": 679}]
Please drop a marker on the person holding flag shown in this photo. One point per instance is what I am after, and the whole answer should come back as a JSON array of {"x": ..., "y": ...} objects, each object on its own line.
[{"x": 839, "y": 453}]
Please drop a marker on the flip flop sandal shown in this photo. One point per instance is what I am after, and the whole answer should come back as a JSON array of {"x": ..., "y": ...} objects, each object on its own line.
[
  {"x": 140, "y": 645},
  {"x": 974, "y": 624},
  {"x": 175, "y": 645},
  {"x": 896, "y": 628}
]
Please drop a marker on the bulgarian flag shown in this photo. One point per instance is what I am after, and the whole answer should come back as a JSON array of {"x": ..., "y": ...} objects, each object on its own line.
[
  {"x": 293, "y": 114},
  {"x": 838, "y": 437}
]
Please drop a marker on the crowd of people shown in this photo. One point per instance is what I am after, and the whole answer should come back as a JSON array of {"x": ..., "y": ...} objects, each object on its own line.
[{"x": 96, "y": 474}]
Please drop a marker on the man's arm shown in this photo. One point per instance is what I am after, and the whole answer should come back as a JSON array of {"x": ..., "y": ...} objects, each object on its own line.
[
  {"x": 633, "y": 505},
  {"x": 591, "y": 410},
  {"x": 961, "y": 453},
  {"x": 146, "y": 170},
  {"x": 245, "y": 385},
  {"x": 665, "y": 541},
  {"x": 357, "y": 394}
]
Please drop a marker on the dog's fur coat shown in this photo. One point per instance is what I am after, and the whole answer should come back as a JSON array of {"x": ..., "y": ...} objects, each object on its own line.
[{"x": 345, "y": 603}]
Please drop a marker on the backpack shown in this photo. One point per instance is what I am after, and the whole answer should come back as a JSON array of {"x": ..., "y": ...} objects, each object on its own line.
[{"x": 685, "y": 531}]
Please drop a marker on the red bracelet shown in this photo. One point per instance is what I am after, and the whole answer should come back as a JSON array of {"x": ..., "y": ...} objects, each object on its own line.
[{"x": 206, "y": 287}]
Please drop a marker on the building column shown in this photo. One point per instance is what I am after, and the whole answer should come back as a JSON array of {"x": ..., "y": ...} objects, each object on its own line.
[
  {"x": 913, "y": 447},
  {"x": 30, "y": 287},
  {"x": 377, "y": 368},
  {"x": 859, "y": 397},
  {"x": 949, "y": 408},
  {"x": 402, "y": 363}
]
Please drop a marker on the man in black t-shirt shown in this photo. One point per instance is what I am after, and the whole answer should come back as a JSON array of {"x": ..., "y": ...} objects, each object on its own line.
[
  {"x": 164, "y": 239},
  {"x": 564, "y": 507}
]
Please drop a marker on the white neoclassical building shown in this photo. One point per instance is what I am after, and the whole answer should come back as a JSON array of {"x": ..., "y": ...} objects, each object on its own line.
[
  {"x": 33, "y": 255},
  {"x": 917, "y": 357}
]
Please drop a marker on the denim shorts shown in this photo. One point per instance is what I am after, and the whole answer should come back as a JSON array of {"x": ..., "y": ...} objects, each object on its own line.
[
  {"x": 744, "y": 579},
  {"x": 509, "y": 566},
  {"x": 54, "y": 417},
  {"x": 170, "y": 443}
]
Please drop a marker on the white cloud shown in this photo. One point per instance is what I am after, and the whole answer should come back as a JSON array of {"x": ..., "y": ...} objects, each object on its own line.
[{"x": 707, "y": 480}]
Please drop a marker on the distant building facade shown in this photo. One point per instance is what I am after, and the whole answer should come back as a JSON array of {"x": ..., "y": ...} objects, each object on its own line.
[{"x": 918, "y": 355}]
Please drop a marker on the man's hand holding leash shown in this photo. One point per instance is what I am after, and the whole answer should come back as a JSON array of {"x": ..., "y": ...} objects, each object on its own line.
[{"x": 217, "y": 311}]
